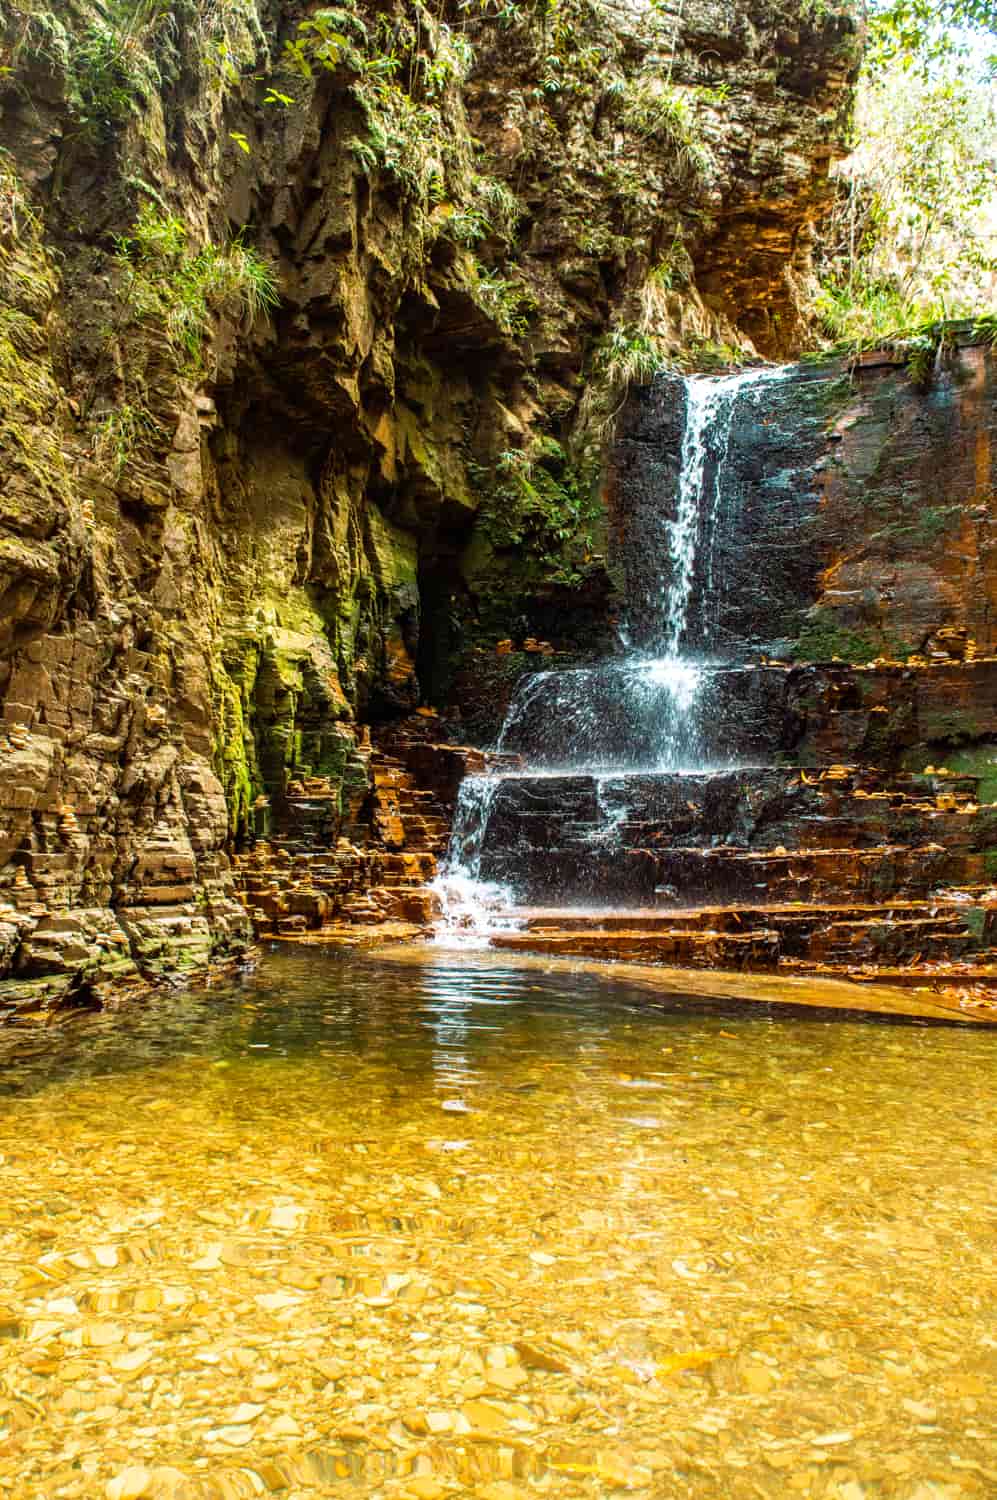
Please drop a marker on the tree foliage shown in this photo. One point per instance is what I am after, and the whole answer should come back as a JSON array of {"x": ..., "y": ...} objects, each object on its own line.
[
  {"x": 913, "y": 237},
  {"x": 917, "y": 32}
]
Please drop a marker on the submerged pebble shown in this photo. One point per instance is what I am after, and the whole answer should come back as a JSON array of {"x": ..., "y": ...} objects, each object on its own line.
[{"x": 277, "y": 1278}]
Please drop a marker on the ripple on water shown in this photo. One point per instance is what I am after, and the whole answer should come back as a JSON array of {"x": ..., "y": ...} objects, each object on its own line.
[{"x": 373, "y": 1227}]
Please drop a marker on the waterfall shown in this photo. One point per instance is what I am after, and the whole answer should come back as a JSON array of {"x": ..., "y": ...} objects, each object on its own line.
[
  {"x": 710, "y": 405},
  {"x": 471, "y": 908},
  {"x": 625, "y": 715},
  {"x": 650, "y": 713},
  {"x": 614, "y": 809}
]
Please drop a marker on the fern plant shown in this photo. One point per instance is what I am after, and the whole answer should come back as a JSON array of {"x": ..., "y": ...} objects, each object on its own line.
[
  {"x": 490, "y": 210},
  {"x": 628, "y": 356},
  {"x": 163, "y": 278},
  {"x": 537, "y": 501},
  {"x": 120, "y": 433},
  {"x": 670, "y": 116},
  {"x": 502, "y": 299},
  {"x": 112, "y": 65}
]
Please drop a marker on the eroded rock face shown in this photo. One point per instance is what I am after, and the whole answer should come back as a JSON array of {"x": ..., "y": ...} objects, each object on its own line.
[
  {"x": 857, "y": 509},
  {"x": 212, "y": 570},
  {"x": 908, "y": 507}
]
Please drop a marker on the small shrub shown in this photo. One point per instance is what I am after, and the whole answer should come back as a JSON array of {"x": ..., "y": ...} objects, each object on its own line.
[
  {"x": 668, "y": 115},
  {"x": 537, "y": 501},
  {"x": 874, "y": 315},
  {"x": 404, "y": 66},
  {"x": 230, "y": 38},
  {"x": 860, "y": 314},
  {"x": 627, "y": 356},
  {"x": 163, "y": 278},
  {"x": 505, "y": 301},
  {"x": 119, "y": 433},
  {"x": 111, "y": 66},
  {"x": 404, "y": 138},
  {"x": 318, "y": 43},
  {"x": 985, "y": 327},
  {"x": 490, "y": 211}
]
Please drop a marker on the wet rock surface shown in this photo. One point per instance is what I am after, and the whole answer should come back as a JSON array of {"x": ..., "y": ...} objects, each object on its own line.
[
  {"x": 217, "y": 570},
  {"x": 856, "y": 513},
  {"x": 302, "y": 880},
  {"x": 796, "y": 475}
]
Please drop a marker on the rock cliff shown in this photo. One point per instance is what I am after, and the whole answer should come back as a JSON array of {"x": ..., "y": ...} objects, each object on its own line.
[
  {"x": 810, "y": 786},
  {"x": 863, "y": 499},
  {"x": 313, "y": 324}
]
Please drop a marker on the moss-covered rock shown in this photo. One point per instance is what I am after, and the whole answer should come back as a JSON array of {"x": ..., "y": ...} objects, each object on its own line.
[{"x": 231, "y": 533}]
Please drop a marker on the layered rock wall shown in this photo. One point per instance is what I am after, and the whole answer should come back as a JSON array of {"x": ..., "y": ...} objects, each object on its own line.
[
  {"x": 858, "y": 508},
  {"x": 230, "y": 534},
  {"x": 858, "y": 541}
]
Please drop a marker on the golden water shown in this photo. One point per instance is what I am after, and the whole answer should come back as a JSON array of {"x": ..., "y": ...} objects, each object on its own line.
[{"x": 450, "y": 1227}]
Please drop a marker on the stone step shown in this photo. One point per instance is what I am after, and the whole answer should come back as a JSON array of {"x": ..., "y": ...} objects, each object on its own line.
[
  {"x": 783, "y": 918},
  {"x": 561, "y": 837},
  {"x": 890, "y": 942},
  {"x": 679, "y": 947},
  {"x": 842, "y": 936},
  {"x": 978, "y": 970},
  {"x": 571, "y": 717},
  {"x": 763, "y": 949},
  {"x": 810, "y": 875},
  {"x": 407, "y": 903},
  {"x": 724, "y": 875},
  {"x": 845, "y": 709},
  {"x": 900, "y": 825}
]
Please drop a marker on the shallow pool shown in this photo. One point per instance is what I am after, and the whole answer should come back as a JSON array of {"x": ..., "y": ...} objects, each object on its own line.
[{"x": 442, "y": 1225}]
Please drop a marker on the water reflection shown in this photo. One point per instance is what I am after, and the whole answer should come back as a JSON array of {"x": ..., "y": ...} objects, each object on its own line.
[{"x": 350, "y": 1223}]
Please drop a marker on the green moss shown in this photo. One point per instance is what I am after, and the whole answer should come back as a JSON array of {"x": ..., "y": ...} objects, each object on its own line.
[
  {"x": 541, "y": 509},
  {"x": 917, "y": 533},
  {"x": 978, "y": 760},
  {"x": 29, "y": 395},
  {"x": 822, "y": 641},
  {"x": 232, "y": 743},
  {"x": 829, "y": 397},
  {"x": 975, "y": 919},
  {"x": 981, "y": 761},
  {"x": 886, "y": 735},
  {"x": 952, "y": 728}
]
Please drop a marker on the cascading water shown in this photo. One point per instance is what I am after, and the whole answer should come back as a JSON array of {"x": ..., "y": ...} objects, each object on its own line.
[
  {"x": 471, "y": 908},
  {"x": 710, "y": 403},
  {"x": 653, "y": 712},
  {"x": 635, "y": 712},
  {"x": 613, "y": 802}
]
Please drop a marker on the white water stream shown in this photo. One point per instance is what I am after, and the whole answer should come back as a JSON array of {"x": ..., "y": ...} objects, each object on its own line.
[
  {"x": 471, "y": 908},
  {"x": 641, "y": 713},
  {"x": 710, "y": 403}
]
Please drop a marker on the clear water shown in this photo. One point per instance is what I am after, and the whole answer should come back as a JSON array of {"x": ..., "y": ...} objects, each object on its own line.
[{"x": 320, "y": 1232}]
